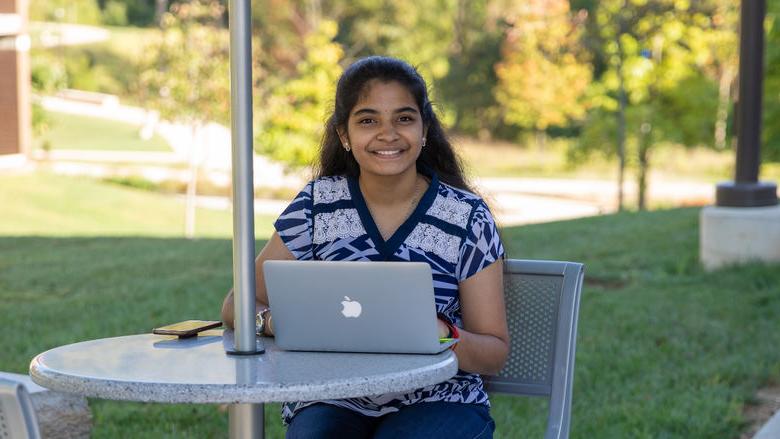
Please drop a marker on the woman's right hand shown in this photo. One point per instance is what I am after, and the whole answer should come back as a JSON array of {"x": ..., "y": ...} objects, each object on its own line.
[{"x": 444, "y": 330}]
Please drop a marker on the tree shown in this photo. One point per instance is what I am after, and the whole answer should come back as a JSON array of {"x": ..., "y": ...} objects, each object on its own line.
[
  {"x": 543, "y": 73},
  {"x": 653, "y": 54},
  {"x": 292, "y": 115},
  {"x": 187, "y": 77},
  {"x": 474, "y": 49},
  {"x": 301, "y": 52},
  {"x": 771, "y": 128}
]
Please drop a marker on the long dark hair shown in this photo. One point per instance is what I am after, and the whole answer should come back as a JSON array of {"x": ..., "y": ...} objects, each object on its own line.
[{"x": 437, "y": 154}]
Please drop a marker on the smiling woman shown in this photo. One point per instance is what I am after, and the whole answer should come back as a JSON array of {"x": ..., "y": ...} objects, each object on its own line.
[
  {"x": 389, "y": 187},
  {"x": 385, "y": 131}
]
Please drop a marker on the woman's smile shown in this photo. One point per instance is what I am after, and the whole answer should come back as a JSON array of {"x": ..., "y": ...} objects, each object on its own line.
[{"x": 389, "y": 153}]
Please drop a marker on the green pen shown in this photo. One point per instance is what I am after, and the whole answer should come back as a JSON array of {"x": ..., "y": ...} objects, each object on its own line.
[{"x": 445, "y": 340}]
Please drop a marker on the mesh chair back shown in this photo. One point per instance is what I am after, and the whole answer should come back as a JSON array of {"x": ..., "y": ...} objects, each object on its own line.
[
  {"x": 542, "y": 304},
  {"x": 17, "y": 415}
]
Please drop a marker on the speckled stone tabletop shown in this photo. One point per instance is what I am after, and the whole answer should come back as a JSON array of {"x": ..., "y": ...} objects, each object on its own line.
[{"x": 157, "y": 368}]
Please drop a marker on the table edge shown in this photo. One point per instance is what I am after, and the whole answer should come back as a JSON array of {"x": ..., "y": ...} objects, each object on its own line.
[{"x": 236, "y": 393}]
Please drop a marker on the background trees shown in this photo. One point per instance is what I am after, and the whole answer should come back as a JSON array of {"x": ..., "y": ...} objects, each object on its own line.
[
  {"x": 618, "y": 77},
  {"x": 184, "y": 78}
]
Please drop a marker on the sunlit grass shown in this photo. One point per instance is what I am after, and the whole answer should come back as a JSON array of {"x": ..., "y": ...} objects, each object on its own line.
[
  {"x": 40, "y": 204},
  {"x": 667, "y": 162},
  {"x": 75, "y": 132},
  {"x": 131, "y": 42}
]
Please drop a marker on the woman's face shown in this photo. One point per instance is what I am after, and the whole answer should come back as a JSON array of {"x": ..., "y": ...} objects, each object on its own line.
[{"x": 385, "y": 130}]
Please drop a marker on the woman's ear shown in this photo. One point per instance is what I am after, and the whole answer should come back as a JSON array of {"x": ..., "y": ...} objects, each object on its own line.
[{"x": 342, "y": 136}]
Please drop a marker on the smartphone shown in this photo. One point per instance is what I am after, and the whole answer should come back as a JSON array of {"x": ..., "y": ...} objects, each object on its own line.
[{"x": 187, "y": 328}]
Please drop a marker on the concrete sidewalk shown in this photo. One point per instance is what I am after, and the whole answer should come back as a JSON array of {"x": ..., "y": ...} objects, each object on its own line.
[{"x": 770, "y": 430}]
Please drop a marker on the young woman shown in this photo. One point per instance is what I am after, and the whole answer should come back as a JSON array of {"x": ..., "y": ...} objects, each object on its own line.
[{"x": 389, "y": 187}]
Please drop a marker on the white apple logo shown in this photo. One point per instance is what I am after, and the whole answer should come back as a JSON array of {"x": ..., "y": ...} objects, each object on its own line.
[{"x": 352, "y": 308}]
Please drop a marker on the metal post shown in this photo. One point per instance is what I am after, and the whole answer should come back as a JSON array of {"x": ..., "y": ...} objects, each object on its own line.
[
  {"x": 751, "y": 63},
  {"x": 243, "y": 191},
  {"x": 246, "y": 420},
  {"x": 747, "y": 191}
]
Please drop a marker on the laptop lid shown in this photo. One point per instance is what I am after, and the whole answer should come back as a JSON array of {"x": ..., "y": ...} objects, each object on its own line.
[{"x": 344, "y": 306}]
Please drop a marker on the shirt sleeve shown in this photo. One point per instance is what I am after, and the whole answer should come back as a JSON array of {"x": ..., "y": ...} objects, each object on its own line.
[
  {"x": 482, "y": 245},
  {"x": 294, "y": 225}
]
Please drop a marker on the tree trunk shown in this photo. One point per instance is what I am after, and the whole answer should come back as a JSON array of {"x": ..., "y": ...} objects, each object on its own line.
[
  {"x": 541, "y": 139},
  {"x": 160, "y": 7},
  {"x": 621, "y": 126},
  {"x": 192, "y": 185},
  {"x": 645, "y": 144},
  {"x": 721, "y": 118}
]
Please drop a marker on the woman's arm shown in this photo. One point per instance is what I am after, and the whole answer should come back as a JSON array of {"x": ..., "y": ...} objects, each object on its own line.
[
  {"x": 274, "y": 250},
  {"x": 484, "y": 339}
]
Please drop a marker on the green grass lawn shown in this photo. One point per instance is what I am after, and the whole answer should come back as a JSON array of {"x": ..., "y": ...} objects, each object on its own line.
[
  {"x": 70, "y": 131},
  {"x": 665, "y": 350},
  {"x": 668, "y": 162}
]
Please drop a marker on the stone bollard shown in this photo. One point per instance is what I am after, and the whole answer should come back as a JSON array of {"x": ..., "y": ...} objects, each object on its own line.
[{"x": 738, "y": 235}]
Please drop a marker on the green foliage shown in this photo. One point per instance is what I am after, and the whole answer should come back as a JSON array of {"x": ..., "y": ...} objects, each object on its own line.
[
  {"x": 47, "y": 72},
  {"x": 497, "y": 68},
  {"x": 293, "y": 114},
  {"x": 65, "y": 11},
  {"x": 115, "y": 13},
  {"x": 465, "y": 92},
  {"x": 110, "y": 12},
  {"x": 665, "y": 60},
  {"x": 541, "y": 52},
  {"x": 186, "y": 74},
  {"x": 673, "y": 115},
  {"x": 138, "y": 12},
  {"x": 771, "y": 124},
  {"x": 41, "y": 124},
  {"x": 91, "y": 68},
  {"x": 86, "y": 73},
  {"x": 403, "y": 28}
]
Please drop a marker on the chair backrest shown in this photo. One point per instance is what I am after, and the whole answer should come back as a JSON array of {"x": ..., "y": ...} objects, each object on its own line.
[
  {"x": 17, "y": 414},
  {"x": 542, "y": 304}
]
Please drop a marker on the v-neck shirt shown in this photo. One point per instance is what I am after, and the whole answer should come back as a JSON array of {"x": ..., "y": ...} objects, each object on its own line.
[
  {"x": 450, "y": 229},
  {"x": 387, "y": 247}
]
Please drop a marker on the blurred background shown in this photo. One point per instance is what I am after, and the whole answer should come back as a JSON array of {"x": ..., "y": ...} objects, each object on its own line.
[{"x": 632, "y": 99}]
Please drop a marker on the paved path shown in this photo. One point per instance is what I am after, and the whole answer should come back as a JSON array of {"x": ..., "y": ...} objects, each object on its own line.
[
  {"x": 50, "y": 34},
  {"x": 514, "y": 200}
]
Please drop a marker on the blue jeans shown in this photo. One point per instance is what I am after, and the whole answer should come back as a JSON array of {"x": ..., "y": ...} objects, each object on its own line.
[{"x": 428, "y": 420}]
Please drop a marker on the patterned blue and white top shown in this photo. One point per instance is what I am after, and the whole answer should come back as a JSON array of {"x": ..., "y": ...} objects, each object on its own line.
[{"x": 450, "y": 229}]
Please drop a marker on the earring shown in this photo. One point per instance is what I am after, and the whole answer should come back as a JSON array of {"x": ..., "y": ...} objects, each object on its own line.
[
  {"x": 347, "y": 147},
  {"x": 423, "y": 142}
]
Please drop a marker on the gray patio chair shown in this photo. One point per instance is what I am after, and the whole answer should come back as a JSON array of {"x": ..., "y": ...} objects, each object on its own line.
[
  {"x": 17, "y": 415},
  {"x": 542, "y": 304}
]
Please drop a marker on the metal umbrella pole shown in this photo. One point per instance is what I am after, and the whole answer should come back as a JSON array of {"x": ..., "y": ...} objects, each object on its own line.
[{"x": 246, "y": 420}]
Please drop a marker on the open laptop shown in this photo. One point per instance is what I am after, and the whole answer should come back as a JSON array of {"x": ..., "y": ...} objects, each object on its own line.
[{"x": 385, "y": 307}]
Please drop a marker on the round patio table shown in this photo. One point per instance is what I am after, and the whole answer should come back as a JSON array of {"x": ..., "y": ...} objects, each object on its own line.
[{"x": 157, "y": 368}]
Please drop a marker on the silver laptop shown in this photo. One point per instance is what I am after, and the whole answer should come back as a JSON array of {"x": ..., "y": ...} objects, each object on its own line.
[{"x": 353, "y": 306}]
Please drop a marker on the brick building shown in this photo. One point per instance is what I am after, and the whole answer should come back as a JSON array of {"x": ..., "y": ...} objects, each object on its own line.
[{"x": 15, "y": 112}]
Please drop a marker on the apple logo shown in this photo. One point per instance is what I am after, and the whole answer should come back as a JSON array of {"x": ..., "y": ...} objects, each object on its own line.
[{"x": 352, "y": 308}]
